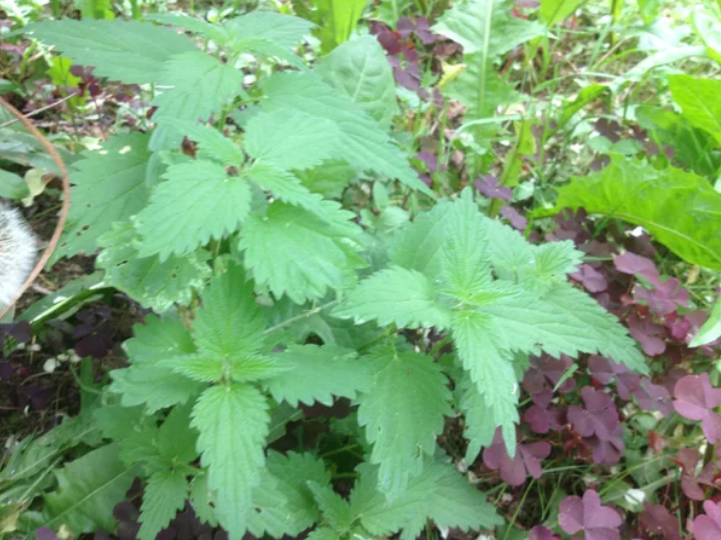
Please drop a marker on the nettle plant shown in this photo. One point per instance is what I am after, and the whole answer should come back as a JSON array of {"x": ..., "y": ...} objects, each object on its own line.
[{"x": 270, "y": 294}]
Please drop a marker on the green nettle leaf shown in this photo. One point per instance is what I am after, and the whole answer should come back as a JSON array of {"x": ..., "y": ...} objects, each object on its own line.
[
  {"x": 415, "y": 389},
  {"x": 164, "y": 497},
  {"x": 678, "y": 208},
  {"x": 360, "y": 69},
  {"x": 285, "y": 31},
  {"x": 554, "y": 11},
  {"x": 361, "y": 143},
  {"x": 316, "y": 254},
  {"x": 197, "y": 202},
  {"x": 476, "y": 336},
  {"x": 88, "y": 489},
  {"x": 291, "y": 140},
  {"x": 196, "y": 86},
  {"x": 130, "y": 52},
  {"x": 698, "y": 98},
  {"x": 398, "y": 296},
  {"x": 711, "y": 330},
  {"x": 13, "y": 186},
  {"x": 233, "y": 423},
  {"x": 287, "y": 187},
  {"x": 108, "y": 187},
  {"x": 317, "y": 374},
  {"x": 462, "y": 505},
  {"x": 155, "y": 284},
  {"x": 528, "y": 308},
  {"x": 335, "y": 509},
  {"x": 479, "y": 419},
  {"x": 294, "y": 473},
  {"x": 212, "y": 31},
  {"x": 148, "y": 381},
  {"x": 211, "y": 141}
]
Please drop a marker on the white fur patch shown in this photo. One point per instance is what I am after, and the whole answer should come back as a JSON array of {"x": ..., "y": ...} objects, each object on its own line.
[{"x": 18, "y": 250}]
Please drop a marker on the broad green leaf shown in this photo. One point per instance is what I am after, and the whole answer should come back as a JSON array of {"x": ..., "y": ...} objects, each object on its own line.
[
  {"x": 479, "y": 341},
  {"x": 272, "y": 513},
  {"x": 466, "y": 262},
  {"x": 176, "y": 440},
  {"x": 586, "y": 96},
  {"x": 330, "y": 179},
  {"x": 108, "y": 187},
  {"x": 396, "y": 296},
  {"x": 212, "y": 31},
  {"x": 163, "y": 498},
  {"x": 479, "y": 420},
  {"x": 362, "y": 143},
  {"x": 440, "y": 493},
  {"x": 230, "y": 323},
  {"x": 359, "y": 69},
  {"x": 130, "y": 52},
  {"x": 287, "y": 187},
  {"x": 202, "y": 499},
  {"x": 12, "y": 186},
  {"x": 146, "y": 382},
  {"x": 154, "y": 284},
  {"x": 294, "y": 473},
  {"x": 698, "y": 98},
  {"x": 335, "y": 509},
  {"x": 554, "y": 11},
  {"x": 291, "y": 140},
  {"x": 680, "y": 209},
  {"x": 197, "y": 202},
  {"x": 415, "y": 389},
  {"x": 88, "y": 489},
  {"x": 317, "y": 374},
  {"x": 419, "y": 246},
  {"x": 283, "y": 30},
  {"x": 486, "y": 26},
  {"x": 211, "y": 141},
  {"x": 323, "y": 533},
  {"x": 342, "y": 16},
  {"x": 199, "y": 86},
  {"x": 316, "y": 255},
  {"x": 708, "y": 27},
  {"x": 711, "y": 329},
  {"x": 233, "y": 423}
]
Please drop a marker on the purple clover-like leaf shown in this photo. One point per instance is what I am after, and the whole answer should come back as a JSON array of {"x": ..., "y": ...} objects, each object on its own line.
[
  {"x": 708, "y": 527},
  {"x": 514, "y": 217},
  {"x": 545, "y": 372},
  {"x": 692, "y": 483},
  {"x": 695, "y": 400},
  {"x": 599, "y": 416},
  {"x": 539, "y": 532},
  {"x": 603, "y": 370},
  {"x": 591, "y": 279},
  {"x": 658, "y": 521},
  {"x": 654, "y": 397},
  {"x": 489, "y": 187},
  {"x": 647, "y": 333},
  {"x": 597, "y": 522},
  {"x": 635, "y": 265},
  {"x": 664, "y": 299},
  {"x": 526, "y": 461},
  {"x": 608, "y": 451},
  {"x": 541, "y": 418}
]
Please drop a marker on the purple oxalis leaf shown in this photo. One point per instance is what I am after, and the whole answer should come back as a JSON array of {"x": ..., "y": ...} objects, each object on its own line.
[
  {"x": 635, "y": 265},
  {"x": 708, "y": 527},
  {"x": 489, "y": 187},
  {"x": 691, "y": 483},
  {"x": 607, "y": 452},
  {"x": 514, "y": 217},
  {"x": 539, "y": 532},
  {"x": 599, "y": 416},
  {"x": 545, "y": 372},
  {"x": 658, "y": 521},
  {"x": 695, "y": 400},
  {"x": 653, "y": 397},
  {"x": 513, "y": 471},
  {"x": 604, "y": 370},
  {"x": 591, "y": 279},
  {"x": 598, "y": 522},
  {"x": 647, "y": 333}
]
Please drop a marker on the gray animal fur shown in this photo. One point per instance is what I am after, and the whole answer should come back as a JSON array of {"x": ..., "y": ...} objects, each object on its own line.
[{"x": 18, "y": 249}]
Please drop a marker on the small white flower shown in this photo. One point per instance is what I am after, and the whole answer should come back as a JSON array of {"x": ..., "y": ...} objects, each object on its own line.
[{"x": 50, "y": 365}]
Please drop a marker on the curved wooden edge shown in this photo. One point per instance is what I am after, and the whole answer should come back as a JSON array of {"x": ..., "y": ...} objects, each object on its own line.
[{"x": 52, "y": 244}]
